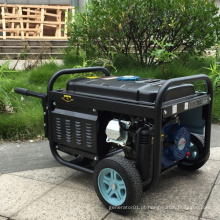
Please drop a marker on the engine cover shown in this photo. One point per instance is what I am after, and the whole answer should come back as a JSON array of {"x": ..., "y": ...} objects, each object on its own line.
[
  {"x": 117, "y": 133},
  {"x": 176, "y": 143}
]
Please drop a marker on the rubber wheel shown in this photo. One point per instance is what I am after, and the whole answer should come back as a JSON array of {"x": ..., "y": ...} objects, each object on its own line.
[
  {"x": 117, "y": 184},
  {"x": 146, "y": 185},
  {"x": 196, "y": 149}
]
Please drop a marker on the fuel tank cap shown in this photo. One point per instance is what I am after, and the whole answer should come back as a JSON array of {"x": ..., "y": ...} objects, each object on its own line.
[{"x": 128, "y": 78}]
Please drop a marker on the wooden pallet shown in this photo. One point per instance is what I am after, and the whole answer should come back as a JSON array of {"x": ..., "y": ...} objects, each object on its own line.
[{"x": 34, "y": 21}]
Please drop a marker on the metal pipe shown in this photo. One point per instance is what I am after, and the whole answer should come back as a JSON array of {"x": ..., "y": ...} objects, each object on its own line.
[
  {"x": 74, "y": 71},
  {"x": 66, "y": 163},
  {"x": 157, "y": 149}
]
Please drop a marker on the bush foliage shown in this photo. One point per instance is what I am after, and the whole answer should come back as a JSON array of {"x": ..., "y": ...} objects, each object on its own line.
[{"x": 130, "y": 27}]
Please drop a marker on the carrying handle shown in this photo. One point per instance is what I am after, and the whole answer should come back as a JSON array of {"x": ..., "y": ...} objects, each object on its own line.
[
  {"x": 74, "y": 71},
  {"x": 27, "y": 92},
  {"x": 21, "y": 91}
]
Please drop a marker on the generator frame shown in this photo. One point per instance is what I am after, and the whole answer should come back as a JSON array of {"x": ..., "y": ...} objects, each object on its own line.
[{"x": 156, "y": 111}]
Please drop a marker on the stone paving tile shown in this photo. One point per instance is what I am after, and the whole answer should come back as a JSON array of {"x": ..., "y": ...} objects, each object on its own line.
[
  {"x": 213, "y": 204},
  {"x": 186, "y": 191},
  {"x": 81, "y": 181},
  {"x": 17, "y": 192},
  {"x": 207, "y": 219},
  {"x": 215, "y": 153},
  {"x": 64, "y": 203},
  {"x": 54, "y": 175},
  {"x": 215, "y": 134},
  {"x": 152, "y": 214},
  {"x": 218, "y": 179},
  {"x": 183, "y": 190}
]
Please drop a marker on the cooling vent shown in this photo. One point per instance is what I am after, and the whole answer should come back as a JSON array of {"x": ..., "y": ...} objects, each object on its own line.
[
  {"x": 58, "y": 128},
  {"x": 182, "y": 133},
  {"x": 75, "y": 130},
  {"x": 68, "y": 130},
  {"x": 88, "y": 135},
  {"x": 78, "y": 129}
]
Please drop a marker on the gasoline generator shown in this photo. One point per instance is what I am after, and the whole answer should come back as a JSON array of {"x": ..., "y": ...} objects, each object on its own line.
[{"x": 126, "y": 130}]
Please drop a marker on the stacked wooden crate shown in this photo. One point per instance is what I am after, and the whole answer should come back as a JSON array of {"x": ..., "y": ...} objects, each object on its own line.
[{"x": 34, "y": 21}]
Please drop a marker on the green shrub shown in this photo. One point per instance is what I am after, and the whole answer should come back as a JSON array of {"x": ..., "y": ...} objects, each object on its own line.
[
  {"x": 216, "y": 109},
  {"x": 5, "y": 86},
  {"x": 27, "y": 123},
  {"x": 42, "y": 74},
  {"x": 131, "y": 26},
  {"x": 214, "y": 75},
  {"x": 26, "y": 119},
  {"x": 71, "y": 58}
]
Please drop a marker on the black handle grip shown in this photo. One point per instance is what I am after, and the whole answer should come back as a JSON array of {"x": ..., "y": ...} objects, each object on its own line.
[
  {"x": 27, "y": 92},
  {"x": 21, "y": 91}
]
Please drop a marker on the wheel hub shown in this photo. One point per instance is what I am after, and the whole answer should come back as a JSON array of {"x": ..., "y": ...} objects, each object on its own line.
[{"x": 113, "y": 186}]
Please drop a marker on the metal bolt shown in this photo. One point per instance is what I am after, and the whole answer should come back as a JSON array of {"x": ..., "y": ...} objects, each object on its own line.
[
  {"x": 210, "y": 98},
  {"x": 45, "y": 124},
  {"x": 95, "y": 158},
  {"x": 45, "y": 113},
  {"x": 54, "y": 103},
  {"x": 164, "y": 112},
  {"x": 94, "y": 110},
  {"x": 56, "y": 147},
  {"x": 113, "y": 186}
]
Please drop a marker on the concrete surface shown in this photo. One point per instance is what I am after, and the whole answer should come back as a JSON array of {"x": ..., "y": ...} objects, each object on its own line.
[
  {"x": 20, "y": 65},
  {"x": 215, "y": 136},
  {"x": 25, "y": 156},
  {"x": 35, "y": 187}
]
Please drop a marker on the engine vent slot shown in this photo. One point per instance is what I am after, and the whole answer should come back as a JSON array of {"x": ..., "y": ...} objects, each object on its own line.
[
  {"x": 78, "y": 132},
  {"x": 58, "y": 129},
  {"x": 88, "y": 135},
  {"x": 75, "y": 130},
  {"x": 68, "y": 130}
]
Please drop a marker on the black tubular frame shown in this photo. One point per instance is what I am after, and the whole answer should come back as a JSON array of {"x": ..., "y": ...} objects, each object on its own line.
[
  {"x": 74, "y": 71},
  {"x": 50, "y": 106},
  {"x": 157, "y": 148}
]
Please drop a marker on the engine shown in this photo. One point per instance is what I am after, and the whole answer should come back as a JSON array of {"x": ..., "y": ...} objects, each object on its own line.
[
  {"x": 176, "y": 143},
  {"x": 117, "y": 132},
  {"x": 176, "y": 138}
]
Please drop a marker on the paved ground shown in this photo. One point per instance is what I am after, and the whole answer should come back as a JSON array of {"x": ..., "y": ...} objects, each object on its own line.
[
  {"x": 21, "y": 64},
  {"x": 35, "y": 187}
]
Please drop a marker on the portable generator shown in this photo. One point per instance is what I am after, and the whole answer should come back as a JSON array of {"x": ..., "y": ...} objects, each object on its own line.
[{"x": 152, "y": 124}]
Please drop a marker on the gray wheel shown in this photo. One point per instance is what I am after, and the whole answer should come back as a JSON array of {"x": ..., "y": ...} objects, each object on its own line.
[
  {"x": 117, "y": 184},
  {"x": 196, "y": 149}
]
